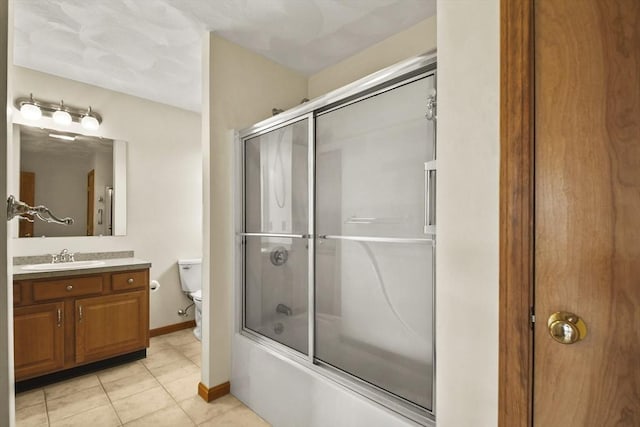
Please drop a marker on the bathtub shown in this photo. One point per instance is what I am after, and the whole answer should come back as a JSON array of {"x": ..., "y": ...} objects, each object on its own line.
[{"x": 340, "y": 353}]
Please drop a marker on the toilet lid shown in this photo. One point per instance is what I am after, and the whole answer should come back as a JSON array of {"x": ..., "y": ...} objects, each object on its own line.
[{"x": 197, "y": 295}]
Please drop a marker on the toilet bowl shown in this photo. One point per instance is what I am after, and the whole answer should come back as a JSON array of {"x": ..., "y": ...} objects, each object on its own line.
[{"x": 191, "y": 281}]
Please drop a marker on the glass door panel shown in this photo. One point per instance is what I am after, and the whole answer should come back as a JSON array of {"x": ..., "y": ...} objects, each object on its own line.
[
  {"x": 276, "y": 290},
  {"x": 374, "y": 262},
  {"x": 370, "y": 164},
  {"x": 276, "y": 225},
  {"x": 373, "y": 313},
  {"x": 276, "y": 180}
]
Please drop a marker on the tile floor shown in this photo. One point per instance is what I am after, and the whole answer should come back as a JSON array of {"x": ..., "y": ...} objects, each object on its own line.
[{"x": 160, "y": 390}]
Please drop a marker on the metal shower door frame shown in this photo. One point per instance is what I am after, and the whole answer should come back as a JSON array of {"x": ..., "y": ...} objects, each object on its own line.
[{"x": 385, "y": 80}]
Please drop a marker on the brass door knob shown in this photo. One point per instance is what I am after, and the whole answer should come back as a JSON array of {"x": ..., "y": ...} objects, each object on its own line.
[{"x": 566, "y": 328}]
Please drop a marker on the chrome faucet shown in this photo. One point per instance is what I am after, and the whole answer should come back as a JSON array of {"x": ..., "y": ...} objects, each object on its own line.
[
  {"x": 281, "y": 308},
  {"x": 63, "y": 256}
]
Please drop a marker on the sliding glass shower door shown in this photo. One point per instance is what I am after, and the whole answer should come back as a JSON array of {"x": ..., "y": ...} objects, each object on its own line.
[
  {"x": 276, "y": 224},
  {"x": 338, "y": 239},
  {"x": 374, "y": 262}
]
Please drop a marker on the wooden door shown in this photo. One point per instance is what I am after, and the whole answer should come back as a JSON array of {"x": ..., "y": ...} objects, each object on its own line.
[
  {"x": 90, "y": 200},
  {"x": 587, "y": 210},
  {"x": 27, "y": 195},
  {"x": 110, "y": 325},
  {"x": 38, "y": 339}
]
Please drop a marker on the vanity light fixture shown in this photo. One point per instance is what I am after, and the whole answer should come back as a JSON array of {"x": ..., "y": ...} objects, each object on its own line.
[
  {"x": 61, "y": 113},
  {"x": 30, "y": 110},
  {"x": 61, "y": 116},
  {"x": 89, "y": 121}
]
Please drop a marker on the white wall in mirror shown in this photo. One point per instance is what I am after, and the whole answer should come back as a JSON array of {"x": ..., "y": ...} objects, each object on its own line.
[{"x": 55, "y": 173}]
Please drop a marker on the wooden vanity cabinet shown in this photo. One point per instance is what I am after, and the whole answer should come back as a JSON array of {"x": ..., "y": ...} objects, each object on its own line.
[
  {"x": 112, "y": 324},
  {"x": 64, "y": 322},
  {"x": 38, "y": 339}
]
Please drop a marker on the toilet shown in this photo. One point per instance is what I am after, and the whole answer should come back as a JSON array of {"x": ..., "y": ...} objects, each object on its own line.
[{"x": 191, "y": 282}]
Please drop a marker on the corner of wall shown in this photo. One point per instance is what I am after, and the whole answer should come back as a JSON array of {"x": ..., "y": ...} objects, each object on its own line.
[{"x": 241, "y": 89}]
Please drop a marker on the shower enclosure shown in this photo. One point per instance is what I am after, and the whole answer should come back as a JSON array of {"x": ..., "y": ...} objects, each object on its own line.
[{"x": 337, "y": 235}]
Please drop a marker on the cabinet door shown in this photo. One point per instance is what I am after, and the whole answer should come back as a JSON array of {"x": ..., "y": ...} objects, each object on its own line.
[
  {"x": 38, "y": 339},
  {"x": 111, "y": 325}
]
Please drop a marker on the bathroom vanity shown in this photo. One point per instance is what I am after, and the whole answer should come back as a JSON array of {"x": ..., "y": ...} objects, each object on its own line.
[{"x": 64, "y": 318}]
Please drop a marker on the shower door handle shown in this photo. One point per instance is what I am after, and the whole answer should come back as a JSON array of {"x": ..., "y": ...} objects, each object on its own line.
[{"x": 429, "y": 199}]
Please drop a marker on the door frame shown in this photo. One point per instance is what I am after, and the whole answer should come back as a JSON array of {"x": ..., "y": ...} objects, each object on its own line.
[{"x": 515, "y": 380}]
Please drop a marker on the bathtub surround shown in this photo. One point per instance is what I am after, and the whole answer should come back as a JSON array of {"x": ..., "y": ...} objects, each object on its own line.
[{"x": 164, "y": 181}]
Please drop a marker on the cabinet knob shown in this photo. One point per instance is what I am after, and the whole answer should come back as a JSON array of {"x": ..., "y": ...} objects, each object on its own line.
[
  {"x": 69, "y": 288},
  {"x": 130, "y": 281}
]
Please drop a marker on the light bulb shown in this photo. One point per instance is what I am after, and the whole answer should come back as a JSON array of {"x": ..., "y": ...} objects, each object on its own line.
[
  {"x": 30, "y": 111},
  {"x": 90, "y": 123},
  {"x": 62, "y": 117}
]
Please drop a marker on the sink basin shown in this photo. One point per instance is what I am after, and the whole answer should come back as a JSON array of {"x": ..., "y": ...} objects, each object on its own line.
[{"x": 63, "y": 265}]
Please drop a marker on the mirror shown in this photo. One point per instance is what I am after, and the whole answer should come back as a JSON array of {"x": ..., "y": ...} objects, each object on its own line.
[{"x": 74, "y": 175}]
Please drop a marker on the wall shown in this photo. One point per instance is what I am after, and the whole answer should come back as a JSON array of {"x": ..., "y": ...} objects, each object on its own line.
[
  {"x": 468, "y": 179},
  {"x": 62, "y": 192},
  {"x": 239, "y": 88},
  {"x": 420, "y": 38},
  {"x": 164, "y": 182}
]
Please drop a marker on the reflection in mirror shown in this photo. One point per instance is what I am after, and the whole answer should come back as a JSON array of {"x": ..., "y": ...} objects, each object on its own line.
[{"x": 73, "y": 175}]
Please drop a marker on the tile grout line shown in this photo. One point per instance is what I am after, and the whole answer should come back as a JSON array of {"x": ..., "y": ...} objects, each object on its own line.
[
  {"x": 110, "y": 401},
  {"x": 167, "y": 391},
  {"x": 77, "y": 413},
  {"x": 46, "y": 407}
]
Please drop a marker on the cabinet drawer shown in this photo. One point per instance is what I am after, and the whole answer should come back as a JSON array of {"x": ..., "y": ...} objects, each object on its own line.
[
  {"x": 17, "y": 294},
  {"x": 129, "y": 280},
  {"x": 64, "y": 288}
]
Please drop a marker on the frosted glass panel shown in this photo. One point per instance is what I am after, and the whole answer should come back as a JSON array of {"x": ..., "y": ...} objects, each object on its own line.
[
  {"x": 373, "y": 314},
  {"x": 276, "y": 290},
  {"x": 374, "y": 305},
  {"x": 370, "y": 164},
  {"x": 276, "y": 180}
]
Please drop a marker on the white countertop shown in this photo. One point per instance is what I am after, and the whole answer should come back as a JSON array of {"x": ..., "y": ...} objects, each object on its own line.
[{"x": 106, "y": 265}]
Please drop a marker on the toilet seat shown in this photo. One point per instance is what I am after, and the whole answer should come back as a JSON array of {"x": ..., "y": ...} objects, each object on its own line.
[{"x": 197, "y": 295}]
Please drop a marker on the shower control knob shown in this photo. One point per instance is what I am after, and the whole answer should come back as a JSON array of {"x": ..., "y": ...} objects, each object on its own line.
[
  {"x": 130, "y": 281},
  {"x": 69, "y": 288}
]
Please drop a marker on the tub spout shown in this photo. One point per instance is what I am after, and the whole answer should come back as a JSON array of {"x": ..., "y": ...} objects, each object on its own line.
[{"x": 281, "y": 308}]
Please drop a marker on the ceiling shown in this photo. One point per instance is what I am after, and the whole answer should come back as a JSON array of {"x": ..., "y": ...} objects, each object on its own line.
[{"x": 152, "y": 48}]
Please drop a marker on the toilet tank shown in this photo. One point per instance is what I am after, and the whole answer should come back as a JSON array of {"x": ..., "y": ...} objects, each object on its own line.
[{"x": 190, "y": 274}]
